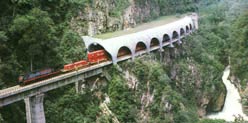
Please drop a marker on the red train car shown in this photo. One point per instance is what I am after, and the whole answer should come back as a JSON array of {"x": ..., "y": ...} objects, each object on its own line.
[
  {"x": 93, "y": 58},
  {"x": 97, "y": 56},
  {"x": 76, "y": 65}
]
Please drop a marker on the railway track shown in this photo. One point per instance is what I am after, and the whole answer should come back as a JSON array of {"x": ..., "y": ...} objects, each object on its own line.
[
  {"x": 9, "y": 90},
  {"x": 18, "y": 88}
]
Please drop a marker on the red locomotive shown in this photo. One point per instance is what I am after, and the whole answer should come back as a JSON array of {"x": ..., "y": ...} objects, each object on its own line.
[
  {"x": 36, "y": 76},
  {"x": 93, "y": 58}
]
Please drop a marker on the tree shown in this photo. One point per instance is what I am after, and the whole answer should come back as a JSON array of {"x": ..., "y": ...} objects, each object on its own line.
[
  {"x": 35, "y": 40},
  {"x": 1, "y": 119},
  {"x": 123, "y": 103},
  {"x": 71, "y": 47},
  {"x": 239, "y": 45}
]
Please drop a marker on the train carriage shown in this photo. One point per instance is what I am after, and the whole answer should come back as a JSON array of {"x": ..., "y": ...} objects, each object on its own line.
[
  {"x": 93, "y": 58},
  {"x": 97, "y": 56}
]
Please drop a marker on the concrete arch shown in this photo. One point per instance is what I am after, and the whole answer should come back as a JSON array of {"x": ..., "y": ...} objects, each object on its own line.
[
  {"x": 95, "y": 46},
  {"x": 124, "y": 51},
  {"x": 175, "y": 35},
  {"x": 143, "y": 39},
  {"x": 166, "y": 39},
  {"x": 140, "y": 46},
  {"x": 182, "y": 32},
  {"x": 154, "y": 43},
  {"x": 187, "y": 29}
]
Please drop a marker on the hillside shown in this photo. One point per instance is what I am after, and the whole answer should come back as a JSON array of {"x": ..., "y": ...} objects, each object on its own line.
[{"x": 183, "y": 84}]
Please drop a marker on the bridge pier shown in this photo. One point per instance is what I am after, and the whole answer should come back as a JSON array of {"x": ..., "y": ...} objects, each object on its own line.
[
  {"x": 106, "y": 75},
  {"x": 171, "y": 45},
  {"x": 79, "y": 85},
  {"x": 161, "y": 54},
  {"x": 34, "y": 109}
]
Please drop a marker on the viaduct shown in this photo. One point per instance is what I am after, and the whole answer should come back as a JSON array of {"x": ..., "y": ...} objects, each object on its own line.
[{"x": 132, "y": 45}]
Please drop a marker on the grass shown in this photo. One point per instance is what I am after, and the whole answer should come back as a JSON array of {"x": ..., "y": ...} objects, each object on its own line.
[{"x": 140, "y": 27}]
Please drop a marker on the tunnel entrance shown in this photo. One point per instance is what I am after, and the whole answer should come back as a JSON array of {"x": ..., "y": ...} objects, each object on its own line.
[
  {"x": 140, "y": 47},
  {"x": 154, "y": 43},
  {"x": 175, "y": 36},
  {"x": 124, "y": 51},
  {"x": 187, "y": 29},
  {"x": 182, "y": 32},
  {"x": 190, "y": 26},
  {"x": 95, "y": 47},
  {"x": 166, "y": 39}
]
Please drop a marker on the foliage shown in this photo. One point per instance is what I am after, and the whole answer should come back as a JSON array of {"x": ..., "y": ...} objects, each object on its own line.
[
  {"x": 38, "y": 34},
  {"x": 1, "y": 119},
  {"x": 34, "y": 37},
  {"x": 71, "y": 47},
  {"x": 153, "y": 79},
  {"x": 3, "y": 37},
  {"x": 71, "y": 107},
  {"x": 212, "y": 121},
  {"x": 238, "y": 47},
  {"x": 177, "y": 6},
  {"x": 123, "y": 103},
  {"x": 120, "y": 6},
  {"x": 186, "y": 117}
]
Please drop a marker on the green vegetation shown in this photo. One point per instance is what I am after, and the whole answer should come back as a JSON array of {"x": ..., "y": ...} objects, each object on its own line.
[
  {"x": 120, "y": 6},
  {"x": 238, "y": 47},
  {"x": 71, "y": 107},
  {"x": 31, "y": 36},
  {"x": 212, "y": 121},
  {"x": 37, "y": 34}
]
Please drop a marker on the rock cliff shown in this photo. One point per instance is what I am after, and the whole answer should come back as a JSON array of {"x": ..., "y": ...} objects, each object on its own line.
[{"x": 109, "y": 15}]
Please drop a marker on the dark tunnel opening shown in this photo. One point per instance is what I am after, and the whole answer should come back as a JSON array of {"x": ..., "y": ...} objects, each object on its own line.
[
  {"x": 154, "y": 43},
  {"x": 187, "y": 29},
  {"x": 166, "y": 39},
  {"x": 124, "y": 51},
  {"x": 97, "y": 47},
  {"x": 140, "y": 47},
  {"x": 182, "y": 32},
  {"x": 175, "y": 35}
]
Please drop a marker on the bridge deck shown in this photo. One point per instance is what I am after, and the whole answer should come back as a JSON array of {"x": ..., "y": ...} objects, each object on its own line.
[
  {"x": 16, "y": 93},
  {"x": 19, "y": 89}
]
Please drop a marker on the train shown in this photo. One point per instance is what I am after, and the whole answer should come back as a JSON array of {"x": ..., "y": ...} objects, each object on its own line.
[{"x": 94, "y": 57}]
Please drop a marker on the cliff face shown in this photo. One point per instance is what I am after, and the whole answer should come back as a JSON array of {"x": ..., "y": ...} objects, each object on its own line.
[
  {"x": 196, "y": 81},
  {"x": 178, "y": 74},
  {"x": 109, "y": 15}
]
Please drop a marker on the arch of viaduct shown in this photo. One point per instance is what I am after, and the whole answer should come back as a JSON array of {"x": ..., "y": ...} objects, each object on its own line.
[{"x": 160, "y": 36}]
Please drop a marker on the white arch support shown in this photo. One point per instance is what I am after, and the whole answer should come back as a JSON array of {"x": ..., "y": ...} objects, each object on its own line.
[{"x": 130, "y": 41}]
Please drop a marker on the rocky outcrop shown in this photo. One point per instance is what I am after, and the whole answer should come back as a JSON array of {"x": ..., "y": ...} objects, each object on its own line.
[
  {"x": 97, "y": 18},
  {"x": 206, "y": 100}
]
